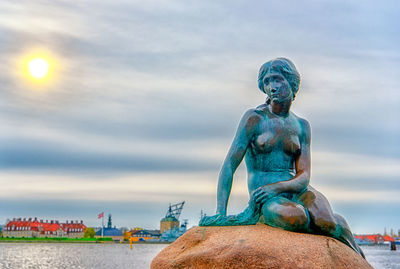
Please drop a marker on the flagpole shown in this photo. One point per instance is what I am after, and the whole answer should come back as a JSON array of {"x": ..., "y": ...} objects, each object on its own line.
[{"x": 102, "y": 225}]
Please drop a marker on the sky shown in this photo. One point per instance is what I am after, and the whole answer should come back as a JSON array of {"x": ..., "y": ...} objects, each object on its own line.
[{"x": 144, "y": 98}]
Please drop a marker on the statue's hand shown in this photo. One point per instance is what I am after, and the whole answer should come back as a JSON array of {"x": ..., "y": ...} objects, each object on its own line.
[{"x": 263, "y": 194}]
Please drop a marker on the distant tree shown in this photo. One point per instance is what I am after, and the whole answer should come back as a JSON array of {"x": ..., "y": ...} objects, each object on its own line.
[{"x": 89, "y": 233}]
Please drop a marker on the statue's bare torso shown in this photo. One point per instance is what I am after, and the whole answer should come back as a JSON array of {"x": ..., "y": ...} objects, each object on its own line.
[{"x": 274, "y": 146}]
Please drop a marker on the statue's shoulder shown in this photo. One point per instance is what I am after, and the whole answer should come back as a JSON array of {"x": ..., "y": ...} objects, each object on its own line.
[
  {"x": 261, "y": 109},
  {"x": 256, "y": 112},
  {"x": 304, "y": 124},
  {"x": 252, "y": 117}
]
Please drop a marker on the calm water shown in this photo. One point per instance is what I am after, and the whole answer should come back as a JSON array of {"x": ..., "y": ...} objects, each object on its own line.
[
  {"x": 77, "y": 256},
  {"x": 381, "y": 256},
  {"x": 105, "y": 256}
]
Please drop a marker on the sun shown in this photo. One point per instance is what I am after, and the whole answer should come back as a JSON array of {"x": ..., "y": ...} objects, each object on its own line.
[{"x": 38, "y": 68}]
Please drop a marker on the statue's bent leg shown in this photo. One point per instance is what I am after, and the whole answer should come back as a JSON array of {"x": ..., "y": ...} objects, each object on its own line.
[
  {"x": 283, "y": 213},
  {"x": 324, "y": 221},
  {"x": 321, "y": 214}
]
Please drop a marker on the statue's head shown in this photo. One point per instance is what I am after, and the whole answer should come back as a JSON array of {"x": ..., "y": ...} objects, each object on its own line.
[{"x": 279, "y": 68}]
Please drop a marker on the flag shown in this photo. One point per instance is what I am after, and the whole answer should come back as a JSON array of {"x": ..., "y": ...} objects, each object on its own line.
[{"x": 100, "y": 215}]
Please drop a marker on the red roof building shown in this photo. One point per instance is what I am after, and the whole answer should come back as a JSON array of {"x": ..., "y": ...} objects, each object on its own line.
[
  {"x": 374, "y": 238},
  {"x": 35, "y": 228},
  {"x": 388, "y": 238}
]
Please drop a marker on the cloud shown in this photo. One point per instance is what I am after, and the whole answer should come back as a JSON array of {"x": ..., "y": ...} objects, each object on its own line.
[
  {"x": 137, "y": 187},
  {"x": 53, "y": 156}
]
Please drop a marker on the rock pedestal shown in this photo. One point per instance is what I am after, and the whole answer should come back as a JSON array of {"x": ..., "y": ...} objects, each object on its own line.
[{"x": 255, "y": 246}]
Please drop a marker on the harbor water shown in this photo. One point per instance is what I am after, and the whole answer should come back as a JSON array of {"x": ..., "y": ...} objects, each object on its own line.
[
  {"x": 120, "y": 256},
  {"x": 382, "y": 257}
]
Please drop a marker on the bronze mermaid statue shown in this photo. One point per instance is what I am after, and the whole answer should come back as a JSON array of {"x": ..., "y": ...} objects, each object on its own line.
[{"x": 275, "y": 144}]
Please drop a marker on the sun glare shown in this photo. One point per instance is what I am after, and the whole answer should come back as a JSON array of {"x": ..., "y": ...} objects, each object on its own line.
[{"x": 38, "y": 68}]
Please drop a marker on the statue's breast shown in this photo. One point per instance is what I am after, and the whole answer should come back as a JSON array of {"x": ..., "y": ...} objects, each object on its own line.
[
  {"x": 291, "y": 144},
  {"x": 277, "y": 136},
  {"x": 265, "y": 142}
]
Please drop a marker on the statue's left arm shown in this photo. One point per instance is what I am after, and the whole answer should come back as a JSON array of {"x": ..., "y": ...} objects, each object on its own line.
[{"x": 300, "y": 181}]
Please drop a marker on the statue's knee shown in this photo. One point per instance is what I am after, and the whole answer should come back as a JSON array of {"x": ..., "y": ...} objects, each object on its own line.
[
  {"x": 289, "y": 216},
  {"x": 301, "y": 219},
  {"x": 296, "y": 216}
]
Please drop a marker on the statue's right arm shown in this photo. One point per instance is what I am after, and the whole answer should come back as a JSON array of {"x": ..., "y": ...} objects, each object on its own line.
[{"x": 244, "y": 133}]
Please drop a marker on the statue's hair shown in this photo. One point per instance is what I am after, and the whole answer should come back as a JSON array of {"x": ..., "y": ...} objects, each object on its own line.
[{"x": 284, "y": 67}]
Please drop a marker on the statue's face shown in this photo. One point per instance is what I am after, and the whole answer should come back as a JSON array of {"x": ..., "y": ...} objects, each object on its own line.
[{"x": 277, "y": 87}]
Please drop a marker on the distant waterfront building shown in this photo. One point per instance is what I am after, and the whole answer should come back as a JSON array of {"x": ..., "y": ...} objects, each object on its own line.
[
  {"x": 172, "y": 234},
  {"x": 144, "y": 235},
  {"x": 109, "y": 231},
  {"x": 171, "y": 219},
  {"x": 168, "y": 223},
  {"x": 28, "y": 227},
  {"x": 373, "y": 239}
]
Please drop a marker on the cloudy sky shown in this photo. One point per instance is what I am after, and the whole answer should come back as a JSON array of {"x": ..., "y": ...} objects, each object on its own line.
[{"x": 144, "y": 98}]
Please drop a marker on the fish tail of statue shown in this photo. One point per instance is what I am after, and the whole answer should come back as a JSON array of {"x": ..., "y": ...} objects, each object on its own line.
[
  {"x": 344, "y": 234},
  {"x": 249, "y": 216}
]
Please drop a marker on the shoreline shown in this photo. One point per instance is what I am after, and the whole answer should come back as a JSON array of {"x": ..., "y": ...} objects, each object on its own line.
[
  {"x": 83, "y": 242},
  {"x": 74, "y": 241}
]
